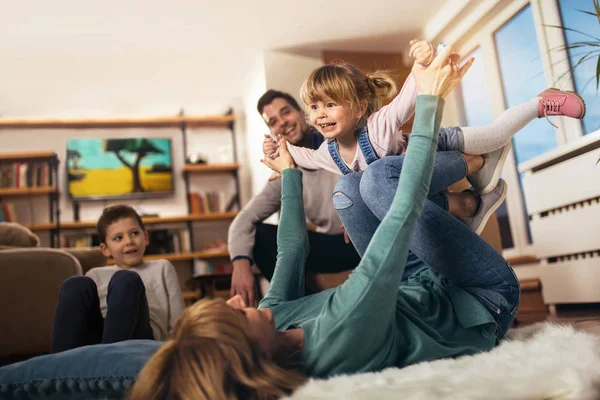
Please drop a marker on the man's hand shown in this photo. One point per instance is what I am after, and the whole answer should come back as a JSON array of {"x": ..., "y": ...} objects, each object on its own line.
[
  {"x": 237, "y": 302},
  {"x": 270, "y": 147},
  {"x": 243, "y": 283},
  {"x": 421, "y": 51},
  {"x": 275, "y": 175},
  {"x": 346, "y": 237}
]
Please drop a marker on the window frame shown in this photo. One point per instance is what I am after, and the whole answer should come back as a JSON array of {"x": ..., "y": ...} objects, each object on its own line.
[{"x": 555, "y": 63}]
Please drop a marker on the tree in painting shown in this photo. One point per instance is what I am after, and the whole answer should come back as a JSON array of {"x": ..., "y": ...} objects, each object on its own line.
[
  {"x": 140, "y": 147},
  {"x": 73, "y": 157}
]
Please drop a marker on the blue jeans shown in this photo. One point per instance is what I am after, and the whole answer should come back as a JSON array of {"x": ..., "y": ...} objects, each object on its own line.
[{"x": 440, "y": 241}]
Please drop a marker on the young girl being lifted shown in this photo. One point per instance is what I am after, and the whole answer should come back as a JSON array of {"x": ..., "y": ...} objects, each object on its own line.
[{"x": 344, "y": 105}]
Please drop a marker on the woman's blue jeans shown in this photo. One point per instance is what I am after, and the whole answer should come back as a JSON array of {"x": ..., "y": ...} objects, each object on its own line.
[{"x": 440, "y": 240}]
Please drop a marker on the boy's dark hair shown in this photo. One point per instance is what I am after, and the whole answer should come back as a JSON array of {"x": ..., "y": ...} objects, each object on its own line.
[
  {"x": 271, "y": 95},
  {"x": 112, "y": 214}
]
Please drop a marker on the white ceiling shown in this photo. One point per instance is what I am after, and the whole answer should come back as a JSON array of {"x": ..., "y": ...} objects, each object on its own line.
[{"x": 193, "y": 25}]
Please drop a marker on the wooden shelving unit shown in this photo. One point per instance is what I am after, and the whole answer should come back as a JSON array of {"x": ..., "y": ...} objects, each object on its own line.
[
  {"x": 191, "y": 295},
  {"x": 17, "y": 161},
  {"x": 29, "y": 155},
  {"x": 211, "y": 285},
  {"x": 520, "y": 260},
  {"x": 73, "y": 225},
  {"x": 28, "y": 191},
  {"x": 136, "y": 122},
  {"x": 210, "y": 168},
  {"x": 205, "y": 254},
  {"x": 180, "y": 122}
]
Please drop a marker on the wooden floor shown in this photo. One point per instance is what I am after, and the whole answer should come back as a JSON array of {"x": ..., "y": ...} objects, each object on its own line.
[{"x": 581, "y": 316}]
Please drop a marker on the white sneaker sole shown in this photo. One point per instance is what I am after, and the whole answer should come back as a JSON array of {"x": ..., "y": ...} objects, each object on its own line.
[
  {"x": 492, "y": 210},
  {"x": 498, "y": 171}
]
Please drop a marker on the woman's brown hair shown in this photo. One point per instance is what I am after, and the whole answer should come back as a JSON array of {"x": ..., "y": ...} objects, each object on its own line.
[{"x": 210, "y": 356}]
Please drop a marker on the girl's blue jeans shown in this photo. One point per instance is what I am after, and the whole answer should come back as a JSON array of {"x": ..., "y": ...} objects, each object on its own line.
[{"x": 440, "y": 241}]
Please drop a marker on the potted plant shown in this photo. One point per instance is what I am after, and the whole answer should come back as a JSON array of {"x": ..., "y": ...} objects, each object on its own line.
[{"x": 590, "y": 49}]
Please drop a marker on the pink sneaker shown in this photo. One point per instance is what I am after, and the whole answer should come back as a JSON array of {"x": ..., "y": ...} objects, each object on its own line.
[{"x": 555, "y": 102}]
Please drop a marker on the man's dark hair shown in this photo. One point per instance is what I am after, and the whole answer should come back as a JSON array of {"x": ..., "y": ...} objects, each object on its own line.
[
  {"x": 112, "y": 214},
  {"x": 271, "y": 95}
]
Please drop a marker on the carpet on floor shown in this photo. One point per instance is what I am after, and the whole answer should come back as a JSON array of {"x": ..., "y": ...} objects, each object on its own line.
[{"x": 541, "y": 361}]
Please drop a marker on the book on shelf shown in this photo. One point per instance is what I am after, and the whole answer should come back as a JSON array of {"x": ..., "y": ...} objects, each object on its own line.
[
  {"x": 203, "y": 267},
  {"x": 24, "y": 175},
  {"x": 161, "y": 241},
  {"x": 79, "y": 240},
  {"x": 168, "y": 241},
  {"x": 8, "y": 212},
  {"x": 209, "y": 202}
]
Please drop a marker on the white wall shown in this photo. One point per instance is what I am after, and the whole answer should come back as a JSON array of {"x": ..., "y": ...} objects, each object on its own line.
[
  {"x": 44, "y": 84},
  {"x": 41, "y": 84},
  {"x": 287, "y": 71}
]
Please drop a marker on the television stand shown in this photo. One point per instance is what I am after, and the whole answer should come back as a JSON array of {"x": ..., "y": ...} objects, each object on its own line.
[{"x": 76, "y": 211}]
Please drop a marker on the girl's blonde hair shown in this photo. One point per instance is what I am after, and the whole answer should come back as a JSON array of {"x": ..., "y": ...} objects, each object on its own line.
[
  {"x": 210, "y": 356},
  {"x": 346, "y": 84}
]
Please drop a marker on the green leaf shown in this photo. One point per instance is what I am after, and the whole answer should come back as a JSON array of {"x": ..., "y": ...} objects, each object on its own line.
[
  {"x": 585, "y": 85},
  {"x": 564, "y": 28},
  {"x": 588, "y": 12},
  {"x": 590, "y": 44},
  {"x": 587, "y": 49},
  {"x": 572, "y": 68},
  {"x": 575, "y": 45},
  {"x": 582, "y": 59},
  {"x": 598, "y": 74}
]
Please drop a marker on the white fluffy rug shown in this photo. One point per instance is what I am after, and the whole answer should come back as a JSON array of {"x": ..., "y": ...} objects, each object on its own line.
[{"x": 542, "y": 361}]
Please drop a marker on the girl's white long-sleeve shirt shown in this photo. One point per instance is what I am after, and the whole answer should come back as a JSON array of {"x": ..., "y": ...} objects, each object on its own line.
[{"x": 384, "y": 134}]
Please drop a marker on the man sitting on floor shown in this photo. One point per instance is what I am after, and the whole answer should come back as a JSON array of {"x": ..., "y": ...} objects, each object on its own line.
[{"x": 251, "y": 241}]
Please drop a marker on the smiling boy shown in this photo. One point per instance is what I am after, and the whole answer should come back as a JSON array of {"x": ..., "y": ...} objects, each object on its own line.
[{"x": 130, "y": 300}]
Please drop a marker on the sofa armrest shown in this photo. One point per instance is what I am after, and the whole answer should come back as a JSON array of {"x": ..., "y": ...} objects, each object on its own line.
[
  {"x": 29, "y": 288},
  {"x": 88, "y": 257}
]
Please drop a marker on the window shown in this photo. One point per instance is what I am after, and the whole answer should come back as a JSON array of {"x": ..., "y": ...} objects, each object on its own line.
[
  {"x": 514, "y": 64},
  {"x": 478, "y": 111},
  {"x": 523, "y": 79},
  {"x": 584, "y": 75},
  {"x": 475, "y": 93}
]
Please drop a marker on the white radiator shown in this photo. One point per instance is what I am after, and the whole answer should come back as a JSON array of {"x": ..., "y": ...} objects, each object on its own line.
[{"x": 562, "y": 193}]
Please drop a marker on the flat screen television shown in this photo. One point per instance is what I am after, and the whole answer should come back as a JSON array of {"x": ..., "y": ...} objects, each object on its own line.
[{"x": 119, "y": 168}]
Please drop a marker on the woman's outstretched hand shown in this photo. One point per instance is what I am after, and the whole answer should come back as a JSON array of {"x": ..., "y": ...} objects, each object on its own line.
[
  {"x": 283, "y": 161},
  {"x": 442, "y": 75}
]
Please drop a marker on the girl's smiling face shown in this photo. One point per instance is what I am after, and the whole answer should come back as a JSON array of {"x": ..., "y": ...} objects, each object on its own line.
[{"x": 332, "y": 119}]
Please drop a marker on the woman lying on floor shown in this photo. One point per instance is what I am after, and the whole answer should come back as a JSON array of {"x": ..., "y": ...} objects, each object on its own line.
[{"x": 461, "y": 302}]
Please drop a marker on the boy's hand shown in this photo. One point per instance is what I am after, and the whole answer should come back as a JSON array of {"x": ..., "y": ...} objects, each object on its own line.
[
  {"x": 421, "y": 51},
  {"x": 269, "y": 147}
]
